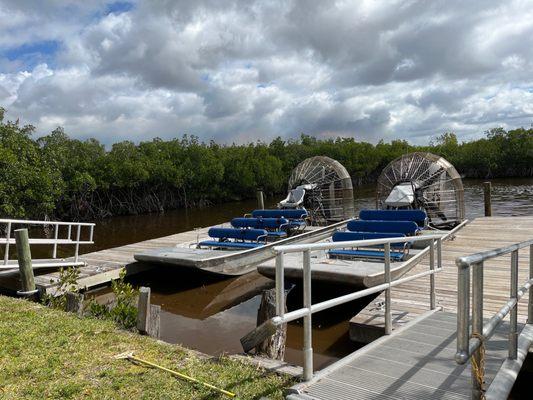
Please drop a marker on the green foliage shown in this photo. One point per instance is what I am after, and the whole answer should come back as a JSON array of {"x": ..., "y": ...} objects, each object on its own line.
[
  {"x": 74, "y": 179},
  {"x": 124, "y": 309},
  {"x": 68, "y": 282}
]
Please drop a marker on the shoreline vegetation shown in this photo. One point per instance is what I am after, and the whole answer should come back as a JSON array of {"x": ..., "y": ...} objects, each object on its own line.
[
  {"x": 58, "y": 177},
  {"x": 78, "y": 361}
]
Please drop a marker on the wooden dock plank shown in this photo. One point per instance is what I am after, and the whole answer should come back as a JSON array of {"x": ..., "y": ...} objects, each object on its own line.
[{"x": 480, "y": 234}]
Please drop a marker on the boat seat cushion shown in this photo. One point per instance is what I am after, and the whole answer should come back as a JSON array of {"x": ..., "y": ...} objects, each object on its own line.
[
  {"x": 259, "y": 223},
  {"x": 349, "y": 236},
  {"x": 238, "y": 234},
  {"x": 417, "y": 216},
  {"x": 394, "y": 255},
  {"x": 405, "y": 227},
  {"x": 293, "y": 213},
  {"x": 235, "y": 245}
]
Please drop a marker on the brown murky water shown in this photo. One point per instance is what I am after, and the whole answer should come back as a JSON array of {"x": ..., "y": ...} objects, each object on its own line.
[{"x": 211, "y": 314}]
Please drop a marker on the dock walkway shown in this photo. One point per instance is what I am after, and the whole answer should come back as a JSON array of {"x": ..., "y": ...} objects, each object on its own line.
[
  {"x": 105, "y": 265},
  {"x": 416, "y": 363},
  {"x": 417, "y": 360}
]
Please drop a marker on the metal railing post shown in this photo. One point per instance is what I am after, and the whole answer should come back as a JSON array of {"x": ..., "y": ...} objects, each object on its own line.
[
  {"x": 432, "y": 301},
  {"x": 388, "y": 316},
  {"x": 477, "y": 323},
  {"x": 530, "y": 296},
  {"x": 308, "y": 338},
  {"x": 463, "y": 312},
  {"x": 78, "y": 233},
  {"x": 69, "y": 233},
  {"x": 6, "y": 251},
  {"x": 513, "y": 318},
  {"x": 439, "y": 253},
  {"x": 280, "y": 285},
  {"x": 56, "y": 233}
]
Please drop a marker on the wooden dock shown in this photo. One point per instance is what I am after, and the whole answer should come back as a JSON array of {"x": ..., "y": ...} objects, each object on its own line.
[
  {"x": 417, "y": 360},
  {"x": 104, "y": 265},
  {"x": 412, "y": 299}
]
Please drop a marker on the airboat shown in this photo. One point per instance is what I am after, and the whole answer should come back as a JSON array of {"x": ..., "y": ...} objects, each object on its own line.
[
  {"x": 417, "y": 194},
  {"x": 319, "y": 202}
]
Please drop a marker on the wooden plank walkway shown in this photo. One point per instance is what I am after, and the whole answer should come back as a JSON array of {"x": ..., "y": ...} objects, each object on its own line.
[
  {"x": 417, "y": 362},
  {"x": 412, "y": 299},
  {"x": 105, "y": 265}
]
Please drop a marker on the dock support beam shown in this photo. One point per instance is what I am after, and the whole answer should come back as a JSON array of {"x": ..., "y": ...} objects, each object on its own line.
[
  {"x": 24, "y": 261},
  {"x": 487, "y": 189}
]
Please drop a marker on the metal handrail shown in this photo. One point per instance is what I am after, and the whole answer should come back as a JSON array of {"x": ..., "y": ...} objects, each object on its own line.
[
  {"x": 468, "y": 346},
  {"x": 309, "y": 309},
  {"x": 57, "y": 240}
]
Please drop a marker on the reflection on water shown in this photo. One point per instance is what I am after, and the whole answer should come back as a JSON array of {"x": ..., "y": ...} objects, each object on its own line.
[{"x": 211, "y": 314}]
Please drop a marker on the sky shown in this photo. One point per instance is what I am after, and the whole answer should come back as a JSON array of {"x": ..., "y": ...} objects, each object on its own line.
[{"x": 242, "y": 71}]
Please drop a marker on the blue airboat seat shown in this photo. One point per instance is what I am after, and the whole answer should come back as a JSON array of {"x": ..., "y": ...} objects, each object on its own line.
[
  {"x": 273, "y": 226},
  {"x": 417, "y": 216},
  {"x": 408, "y": 228},
  {"x": 289, "y": 213},
  {"x": 296, "y": 216},
  {"x": 242, "y": 238},
  {"x": 370, "y": 251}
]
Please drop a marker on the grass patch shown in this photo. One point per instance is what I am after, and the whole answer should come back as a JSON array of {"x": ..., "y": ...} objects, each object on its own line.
[{"x": 46, "y": 353}]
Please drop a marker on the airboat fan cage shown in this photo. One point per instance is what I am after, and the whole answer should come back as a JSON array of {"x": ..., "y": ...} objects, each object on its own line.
[
  {"x": 328, "y": 189},
  {"x": 434, "y": 184}
]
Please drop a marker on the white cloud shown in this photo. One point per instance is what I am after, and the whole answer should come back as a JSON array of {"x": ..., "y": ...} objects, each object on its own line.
[{"x": 242, "y": 71}]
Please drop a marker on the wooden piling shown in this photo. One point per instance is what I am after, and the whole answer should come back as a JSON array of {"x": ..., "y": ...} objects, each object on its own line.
[
  {"x": 274, "y": 346},
  {"x": 74, "y": 303},
  {"x": 267, "y": 338},
  {"x": 148, "y": 316},
  {"x": 487, "y": 189},
  {"x": 260, "y": 199},
  {"x": 143, "y": 306},
  {"x": 24, "y": 261}
]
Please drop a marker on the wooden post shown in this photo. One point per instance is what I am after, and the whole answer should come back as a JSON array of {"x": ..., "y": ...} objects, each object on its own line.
[
  {"x": 487, "y": 188},
  {"x": 274, "y": 346},
  {"x": 260, "y": 199},
  {"x": 267, "y": 339},
  {"x": 74, "y": 303},
  {"x": 24, "y": 261},
  {"x": 143, "y": 305},
  {"x": 155, "y": 321}
]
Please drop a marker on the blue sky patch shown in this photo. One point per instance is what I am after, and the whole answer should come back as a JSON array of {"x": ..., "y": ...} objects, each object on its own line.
[
  {"x": 32, "y": 54},
  {"x": 118, "y": 7}
]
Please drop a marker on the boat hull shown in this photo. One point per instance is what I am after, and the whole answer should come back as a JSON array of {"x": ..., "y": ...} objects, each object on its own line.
[{"x": 230, "y": 263}]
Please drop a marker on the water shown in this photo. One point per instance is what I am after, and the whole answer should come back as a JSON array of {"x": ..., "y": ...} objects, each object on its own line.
[{"x": 211, "y": 314}]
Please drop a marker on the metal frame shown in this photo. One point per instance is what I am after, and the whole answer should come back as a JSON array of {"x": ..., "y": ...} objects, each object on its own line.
[
  {"x": 309, "y": 309},
  {"x": 468, "y": 346},
  {"x": 7, "y": 241}
]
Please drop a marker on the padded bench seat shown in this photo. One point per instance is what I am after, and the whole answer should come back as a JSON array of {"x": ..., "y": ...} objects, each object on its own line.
[
  {"x": 234, "y": 245},
  {"x": 417, "y": 216},
  {"x": 394, "y": 255},
  {"x": 242, "y": 238},
  {"x": 405, "y": 227}
]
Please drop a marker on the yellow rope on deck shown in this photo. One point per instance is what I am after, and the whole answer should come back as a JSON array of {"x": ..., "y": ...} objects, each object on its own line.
[{"x": 129, "y": 356}]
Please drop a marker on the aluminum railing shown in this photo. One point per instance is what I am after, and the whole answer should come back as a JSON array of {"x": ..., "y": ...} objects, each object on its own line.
[
  {"x": 468, "y": 345},
  {"x": 309, "y": 309},
  {"x": 57, "y": 240}
]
